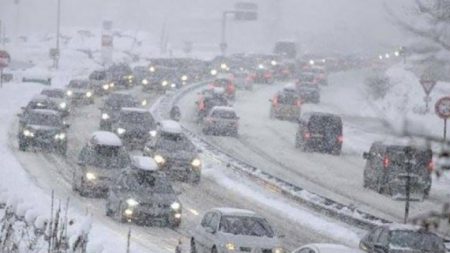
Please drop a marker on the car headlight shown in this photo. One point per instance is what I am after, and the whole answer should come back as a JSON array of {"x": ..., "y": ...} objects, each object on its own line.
[
  {"x": 274, "y": 63},
  {"x": 164, "y": 83},
  {"x": 128, "y": 212},
  {"x": 105, "y": 116},
  {"x": 121, "y": 130},
  {"x": 184, "y": 78},
  {"x": 132, "y": 202},
  {"x": 173, "y": 85},
  {"x": 196, "y": 162},
  {"x": 177, "y": 216},
  {"x": 152, "y": 133},
  {"x": 60, "y": 136},
  {"x": 111, "y": 85},
  {"x": 28, "y": 133},
  {"x": 69, "y": 93},
  {"x": 88, "y": 94},
  {"x": 152, "y": 69},
  {"x": 230, "y": 246},
  {"x": 175, "y": 206},
  {"x": 159, "y": 159},
  {"x": 278, "y": 250},
  {"x": 144, "y": 102},
  {"x": 145, "y": 82},
  {"x": 105, "y": 86},
  {"x": 213, "y": 72},
  {"x": 62, "y": 105},
  {"x": 90, "y": 176}
]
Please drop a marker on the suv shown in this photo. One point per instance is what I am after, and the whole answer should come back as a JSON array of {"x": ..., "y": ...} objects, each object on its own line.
[
  {"x": 395, "y": 238},
  {"x": 319, "y": 131},
  {"x": 134, "y": 126},
  {"x": 59, "y": 97},
  {"x": 161, "y": 79},
  {"x": 42, "y": 128},
  {"x": 208, "y": 99},
  {"x": 221, "y": 120},
  {"x": 100, "y": 83},
  {"x": 111, "y": 108},
  {"x": 226, "y": 82},
  {"x": 386, "y": 170},
  {"x": 308, "y": 89},
  {"x": 143, "y": 194},
  {"x": 234, "y": 230},
  {"x": 286, "y": 104},
  {"x": 100, "y": 161},
  {"x": 174, "y": 153},
  {"x": 80, "y": 91}
]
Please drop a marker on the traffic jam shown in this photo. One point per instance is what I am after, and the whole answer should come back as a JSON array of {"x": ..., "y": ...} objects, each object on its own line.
[{"x": 267, "y": 152}]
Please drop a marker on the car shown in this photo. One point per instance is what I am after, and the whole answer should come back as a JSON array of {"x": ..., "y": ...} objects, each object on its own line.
[
  {"x": 58, "y": 96},
  {"x": 386, "y": 169},
  {"x": 140, "y": 73},
  {"x": 80, "y": 92},
  {"x": 309, "y": 93},
  {"x": 144, "y": 195},
  {"x": 221, "y": 120},
  {"x": 263, "y": 74},
  {"x": 174, "y": 153},
  {"x": 100, "y": 161},
  {"x": 42, "y": 102},
  {"x": 161, "y": 79},
  {"x": 325, "y": 248},
  {"x": 285, "y": 70},
  {"x": 112, "y": 105},
  {"x": 226, "y": 82},
  {"x": 395, "y": 238},
  {"x": 208, "y": 99},
  {"x": 100, "y": 83},
  {"x": 43, "y": 129},
  {"x": 286, "y": 104},
  {"x": 135, "y": 126},
  {"x": 243, "y": 79},
  {"x": 318, "y": 131},
  {"x": 286, "y": 49},
  {"x": 320, "y": 74},
  {"x": 224, "y": 230},
  {"x": 120, "y": 76}
]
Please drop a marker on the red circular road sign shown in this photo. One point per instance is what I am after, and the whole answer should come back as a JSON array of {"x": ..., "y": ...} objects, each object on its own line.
[
  {"x": 442, "y": 107},
  {"x": 4, "y": 59}
]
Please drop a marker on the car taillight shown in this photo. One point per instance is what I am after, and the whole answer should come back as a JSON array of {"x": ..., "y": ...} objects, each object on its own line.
[
  {"x": 340, "y": 138},
  {"x": 386, "y": 162},
  {"x": 275, "y": 101},
  {"x": 298, "y": 103},
  {"x": 430, "y": 166},
  {"x": 307, "y": 135},
  {"x": 230, "y": 88},
  {"x": 267, "y": 75}
]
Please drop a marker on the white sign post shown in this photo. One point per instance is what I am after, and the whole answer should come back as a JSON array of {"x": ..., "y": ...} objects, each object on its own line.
[{"x": 442, "y": 108}]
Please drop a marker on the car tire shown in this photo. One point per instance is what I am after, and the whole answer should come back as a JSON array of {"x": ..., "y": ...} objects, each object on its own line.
[
  {"x": 193, "y": 246},
  {"x": 108, "y": 211},
  {"x": 22, "y": 146},
  {"x": 336, "y": 151},
  {"x": 194, "y": 178},
  {"x": 214, "y": 249}
]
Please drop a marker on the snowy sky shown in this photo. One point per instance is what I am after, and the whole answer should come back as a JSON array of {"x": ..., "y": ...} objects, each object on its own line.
[{"x": 333, "y": 25}]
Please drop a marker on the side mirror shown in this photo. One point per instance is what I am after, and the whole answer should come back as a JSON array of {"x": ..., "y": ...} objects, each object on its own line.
[
  {"x": 210, "y": 230},
  {"x": 366, "y": 155}
]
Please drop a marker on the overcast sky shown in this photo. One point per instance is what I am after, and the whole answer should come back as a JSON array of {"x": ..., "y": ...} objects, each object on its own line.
[{"x": 319, "y": 25}]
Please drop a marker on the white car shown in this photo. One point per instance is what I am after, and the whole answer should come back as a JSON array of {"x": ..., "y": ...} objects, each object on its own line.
[
  {"x": 224, "y": 230},
  {"x": 325, "y": 248}
]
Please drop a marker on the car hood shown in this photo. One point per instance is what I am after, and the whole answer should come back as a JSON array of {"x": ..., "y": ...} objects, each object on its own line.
[
  {"x": 250, "y": 241},
  {"x": 149, "y": 197}
]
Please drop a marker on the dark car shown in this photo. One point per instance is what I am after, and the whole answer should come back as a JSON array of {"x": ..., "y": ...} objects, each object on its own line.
[
  {"x": 286, "y": 49},
  {"x": 387, "y": 168},
  {"x": 174, "y": 153},
  {"x": 111, "y": 108},
  {"x": 80, "y": 91},
  {"x": 140, "y": 74},
  {"x": 319, "y": 131},
  {"x": 143, "y": 194},
  {"x": 263, "y": 74},
  {"x": 100, "y": 161},
  {"x": 43, "y": 129},
  {"x": 396, "y": 238},
  {"x": 135, "y": 126},
  {"x": 59, "y": 97},
  {"x": 208, "y": 99},
  {"x": 161, "y": 79},
  {"x": 286, "y": 104},
  {"x": 226, "y": 82},
  {"x": 221, "y": 120},
  {"x": 42, "y": 102},
  {"x": 100, "y": 83},
  {"x": 121, "y": 76}
]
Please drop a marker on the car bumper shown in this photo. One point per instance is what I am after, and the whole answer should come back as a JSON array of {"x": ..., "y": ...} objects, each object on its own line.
[{"x": 152, "y": 216}]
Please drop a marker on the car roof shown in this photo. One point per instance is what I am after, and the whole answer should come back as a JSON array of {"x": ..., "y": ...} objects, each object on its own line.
[
  {"x": 105, "y": 138},
  {"x": 170, "y": 126},
  {"x": 320, "y": 114},
  {"x": 144, "y": 163},
  {"x": 398, "y": 226},
  {"x": 134, "y": 109},
  {"x": 234, "y": 211},
  {"x": 329, "y": 248},
  {"x": 223, "y": 108}
]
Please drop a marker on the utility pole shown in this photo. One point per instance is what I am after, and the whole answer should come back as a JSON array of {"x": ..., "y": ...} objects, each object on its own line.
[{"x": 58, "y": 27}]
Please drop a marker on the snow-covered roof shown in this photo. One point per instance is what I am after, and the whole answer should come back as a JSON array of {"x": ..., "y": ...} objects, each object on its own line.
[
  {"x": 45, "y": 111},
  {"x": 234, "y": 211},
  {"x": 398, "y": 226},
  {"x": 329, "y": 248},
  {"x": 105, "y": 138},
  {"x": 218, "y": 90},
  {"x": 289, "y": 87},
  {"x": 134, "y": 109},
  {"x": 144, "y": 163},
  {"x": 223, "y": 108},
  {"x": 170, "y": 126}
]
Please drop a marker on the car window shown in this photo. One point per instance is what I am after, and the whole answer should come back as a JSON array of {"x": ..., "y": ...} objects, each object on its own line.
[
  {"x": 418, "y": 240},
  {"x": 174, "y": 142},
  {"x": 306, "y": 250},
  {"x": 384, "y": 237},
  {"x": 324, "y": 124},
  {"x": 242, "y": 225},
  {"x": 214, "y": 222},
  {"x": 43, "y": 119},
  {"x": 206, "y": 220}
]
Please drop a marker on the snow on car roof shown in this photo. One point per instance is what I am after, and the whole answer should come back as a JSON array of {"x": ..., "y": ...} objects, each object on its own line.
[
  {"x": 170, "y": 126},
  {"x": 105, "y": 138},
  {"x": 289, "y": 87},
  {"x": 223, "y": 108},
  {"x": 330, "y": 248},
  {"x": 134, "y": 109},
  {"x": 144, "y": 163},
  {"x": 234, "y": 211},
  {"x": 45, "y": 111},
  {"x": 397, "y": 226}
]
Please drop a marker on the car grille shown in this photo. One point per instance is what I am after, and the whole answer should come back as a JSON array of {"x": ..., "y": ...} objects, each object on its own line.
[{"x": 155, "y": 205}]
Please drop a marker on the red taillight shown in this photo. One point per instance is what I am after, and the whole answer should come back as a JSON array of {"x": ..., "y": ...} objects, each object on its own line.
[
  {"x": 307, "y": 135},
  {"x": 430, "y": 166},
  {"x": 340, "y": 138},
  {"x": 298, "y": 103},
  {"x": 386, "y": 162},
  {"x": 275, "y": 101},
  {"x": 230, "y": 88},
  {"x": 268, "y": 75}
]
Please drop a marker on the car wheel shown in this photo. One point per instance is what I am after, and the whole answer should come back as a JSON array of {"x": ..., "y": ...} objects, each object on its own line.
[
  {"x": 193, "y": 246},
  {"x": 380, "y": 188},
  {"x": 214, "y": 249},
  {"x": 108, "y": 211},
  {"x": 22, "y": 146},
  {"x": 194, "y": 178}
]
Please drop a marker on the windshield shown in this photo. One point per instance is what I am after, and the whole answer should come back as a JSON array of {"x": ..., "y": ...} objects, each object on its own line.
[
  {"x": 106, "y": 157},
  {"x": 325, "y": 125},
  {"x": 397, "y": 159},
  {"x": 287, "y": 99},
  {"x": 417, "y": 240},
  {"x": 119, "y": 102},
  {"x": 148, "y": 181},
  {"x": 224, "y": 114},
  {"x": 43, "y": 119},
  {"x": 241, "y": 225},
  {"x": 143, "y": 118},
  {"x": 47, "y": 104},
  {"x": 174, "y": 142},
  {"x": 53, "y": 93},
  {"x": 78, "y": 84}
]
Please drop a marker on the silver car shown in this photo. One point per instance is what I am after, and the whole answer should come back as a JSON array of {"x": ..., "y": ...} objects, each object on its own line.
[
  {"x": 100, "y": 161},
  {"x": 224, "y": 230},
  {"x": 221, "y": 120}
]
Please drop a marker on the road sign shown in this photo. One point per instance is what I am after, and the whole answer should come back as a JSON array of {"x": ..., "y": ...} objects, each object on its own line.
[
  {"x": 5, "y": 59},
  {"x": 107, "y": 40},
  {"x": 442, "y": 107},
  {"x": 427, "y": 85}
]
